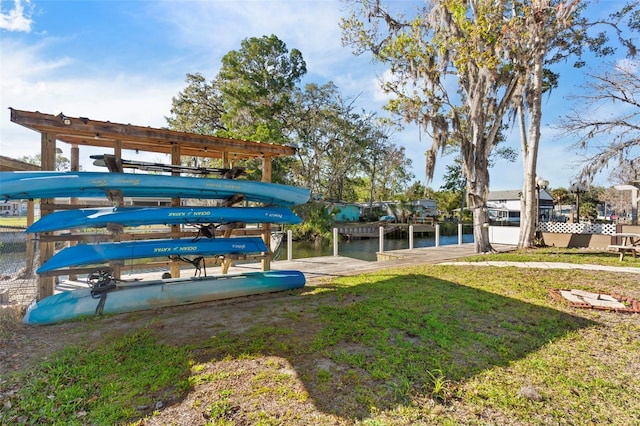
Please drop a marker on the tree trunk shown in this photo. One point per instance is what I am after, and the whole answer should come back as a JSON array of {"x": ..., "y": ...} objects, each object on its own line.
[
  {"x": 478, "y": 189},
  {"x": 529, "y": 201}
]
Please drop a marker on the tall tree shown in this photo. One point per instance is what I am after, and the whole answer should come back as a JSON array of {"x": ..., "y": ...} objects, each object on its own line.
[
  {"x": 530, "y": 38},
  {"x": 256, "y": 84},
  {"x": 250, "y": 98},
  {"x": 312, "y": 130},
  {"x": 337, "y": 145},
  {"x": 449, "y": 75},
  {"x": 607, "y": 123},
  {"x": 198, "y": 108},
  {"x": 552, "y": 31},
  {"x": 394, "y": 174}
]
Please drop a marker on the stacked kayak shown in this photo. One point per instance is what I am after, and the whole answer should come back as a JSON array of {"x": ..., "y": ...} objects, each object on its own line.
[
  {"x": 91, "y": 254},
  {"x": 31, "y": 185},
  {"x": 140, "y": 216},
  {"x": 125, "y": 298},
  {"x": 156, "y": 294}
]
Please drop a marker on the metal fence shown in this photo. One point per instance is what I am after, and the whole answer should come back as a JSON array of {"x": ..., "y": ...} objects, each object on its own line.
[{"x": 18, "y": 260}]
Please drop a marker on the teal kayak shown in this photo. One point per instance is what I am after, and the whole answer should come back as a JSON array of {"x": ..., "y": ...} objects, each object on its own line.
[
  {"x": 139, "y": 216},
  {"x": 93, "y": 254},
  {"x": 158, "y": 293},
  {"x": 32, "y": 185}
]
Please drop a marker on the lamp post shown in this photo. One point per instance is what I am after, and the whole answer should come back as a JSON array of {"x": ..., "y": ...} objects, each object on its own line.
[
  {"x": 578, "y": 188},
  {"x": 540, "y": 185}
]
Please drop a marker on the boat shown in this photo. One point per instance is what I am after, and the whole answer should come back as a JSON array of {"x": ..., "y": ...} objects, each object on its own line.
[
  {"x": 139, "y": 216},
  {"x": 49, "y": 184},
  {"x": 137, "y": 296},
  {"x": 90, "y": 254}
]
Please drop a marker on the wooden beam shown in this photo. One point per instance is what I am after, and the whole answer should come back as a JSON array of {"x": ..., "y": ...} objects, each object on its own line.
[
  {"x": 83, "y": 131},
  {"x": 11, "y": 165}
]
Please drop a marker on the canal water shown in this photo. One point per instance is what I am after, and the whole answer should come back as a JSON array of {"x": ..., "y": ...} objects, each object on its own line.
[{"x": 366, "y": 249}]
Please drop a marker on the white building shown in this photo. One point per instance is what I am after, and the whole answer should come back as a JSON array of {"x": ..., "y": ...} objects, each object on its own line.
[{"x": 504, "y": 207}]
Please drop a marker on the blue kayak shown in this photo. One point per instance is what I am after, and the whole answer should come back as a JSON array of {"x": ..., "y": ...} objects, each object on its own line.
[
  {"x": 32, "y": 185},
  {"x": 159, "y": 293},
  {"x": 138, "y": 216},
  {"x": 91, "y": 254}
]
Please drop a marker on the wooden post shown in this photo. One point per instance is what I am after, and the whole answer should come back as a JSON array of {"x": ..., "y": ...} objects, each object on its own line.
[
  {"x": 116, "y": 197},
  {"x": 31, "y": 241},
  {"x": 175, "y": 202},
  {"x": 46, "y": 285},
  {"x": 266, "y": 227},
  {"x": 75, "y": 166}
]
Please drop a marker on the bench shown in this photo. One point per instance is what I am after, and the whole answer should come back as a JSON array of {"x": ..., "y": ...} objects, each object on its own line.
[{"x": 624, "y": 249}]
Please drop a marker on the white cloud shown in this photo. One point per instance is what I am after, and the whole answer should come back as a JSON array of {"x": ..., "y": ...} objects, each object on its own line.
[
  {"x": 16, "y": 19},
  {"x": 32, "y": 83}
]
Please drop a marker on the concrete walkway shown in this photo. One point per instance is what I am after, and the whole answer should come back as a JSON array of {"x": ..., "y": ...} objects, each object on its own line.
[{"x": 335, "y": 266}]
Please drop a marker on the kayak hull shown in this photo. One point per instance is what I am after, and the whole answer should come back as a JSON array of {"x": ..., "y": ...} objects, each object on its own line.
[
  {"x": 160, "y": 293},
  {"x": 31, "y": 185},
  {"x": 90, "y": 254},
  {"x": 140, "y": 216}
]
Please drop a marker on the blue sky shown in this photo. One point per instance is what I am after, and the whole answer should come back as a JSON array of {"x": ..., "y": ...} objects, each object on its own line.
[{"x": 123, "y": 60}]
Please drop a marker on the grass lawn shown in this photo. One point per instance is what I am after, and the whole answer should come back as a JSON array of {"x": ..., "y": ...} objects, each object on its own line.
[
  {"x": 452, "y": 345},
  {"x": 564, "y": 255},
  {"x": 13, "y": 221}
]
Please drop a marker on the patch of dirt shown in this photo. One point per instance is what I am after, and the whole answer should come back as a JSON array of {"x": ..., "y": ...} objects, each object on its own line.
[{"x": 22, "y": 345}]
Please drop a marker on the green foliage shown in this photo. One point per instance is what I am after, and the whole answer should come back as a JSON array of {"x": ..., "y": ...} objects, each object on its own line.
[
  {"x": 62, "y": 162},
  {"x": 112, "y": 383},
  {"x": 198, "y": 108},
  {"x": 317, "y": 222},
  {"x": 256, "y": 84},
  {"x": 431, "y": 344},
  {"x": 255, "y": 97}
]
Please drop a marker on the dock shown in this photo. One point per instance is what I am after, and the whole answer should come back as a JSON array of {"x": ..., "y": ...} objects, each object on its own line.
[
  {"x": 326, "y": 267},
  {"x": 360, "y": 231},
  {"x": 315, "y": 268}
]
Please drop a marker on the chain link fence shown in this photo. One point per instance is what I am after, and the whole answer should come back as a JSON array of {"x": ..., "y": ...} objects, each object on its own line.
[{"x": 18, "y": 260}]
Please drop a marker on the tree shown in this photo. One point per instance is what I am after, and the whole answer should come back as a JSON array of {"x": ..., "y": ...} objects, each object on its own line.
[
  {"x": 448, "y": 201},
  {"x": 449, "y": 76},
  {"x": 607, "y": 123},
  {"x": 371, "y": 165},
  {"x": 561, "y": 196},
  {"x": 62, "y": 162},
  {"x": 317, "y": 128},
  {"x": 551, "y": 31},
  {"x": 496, "y": 52},
  {"x": 417, "y": 191},
  {"x": 338, "y": 146},
  {"x": 256, "y": 84},
  {"x": 198, "y": 108},
  {"x": 250, "y": 98}
]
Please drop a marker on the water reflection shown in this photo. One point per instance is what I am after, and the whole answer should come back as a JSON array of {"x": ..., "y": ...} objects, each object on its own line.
[{"x": 366, "y": 249}]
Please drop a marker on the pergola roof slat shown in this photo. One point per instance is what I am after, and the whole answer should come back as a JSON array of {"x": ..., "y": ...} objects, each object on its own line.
[{"x": 87, "y": 132}]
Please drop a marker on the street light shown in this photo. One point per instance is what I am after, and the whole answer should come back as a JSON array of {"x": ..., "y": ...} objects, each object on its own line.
[
  {"x": 540, "y": 185},
  {"x": 578, "y": 188}
]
